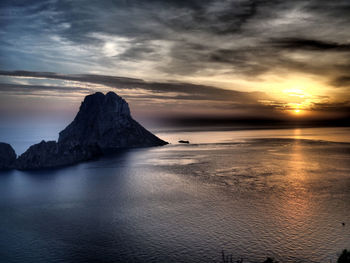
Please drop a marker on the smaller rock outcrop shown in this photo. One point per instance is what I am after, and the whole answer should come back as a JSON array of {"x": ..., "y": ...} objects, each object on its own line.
[
  {"x": 38, "y": 155},
  {"x": 7, "y": 156},
  {"x": 52, "y": 154}
]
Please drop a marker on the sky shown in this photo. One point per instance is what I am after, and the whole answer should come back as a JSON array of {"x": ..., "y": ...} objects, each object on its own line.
[{"x": 178, "y": 60}]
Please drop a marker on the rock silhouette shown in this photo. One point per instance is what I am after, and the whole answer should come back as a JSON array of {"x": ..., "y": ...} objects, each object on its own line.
[
  {"x": 103, "y": 125},
  {"x": 7, "y": 156}
]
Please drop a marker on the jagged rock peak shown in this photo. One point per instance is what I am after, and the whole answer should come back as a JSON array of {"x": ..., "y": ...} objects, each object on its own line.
[
  {"x": 96, "y": 113},
  {"x": 104, "y": 121},
  {"x": 109, "y": 103}
]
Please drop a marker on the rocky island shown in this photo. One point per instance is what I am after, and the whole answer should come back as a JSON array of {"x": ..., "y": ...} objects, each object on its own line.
[{"x": 102, "y": 126}]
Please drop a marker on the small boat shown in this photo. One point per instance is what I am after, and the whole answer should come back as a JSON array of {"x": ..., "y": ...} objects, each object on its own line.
[{"x": 182, "y": 141}]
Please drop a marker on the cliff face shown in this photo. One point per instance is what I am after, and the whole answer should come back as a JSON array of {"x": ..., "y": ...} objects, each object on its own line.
[
  {"x": 104, "y": 121},
  {"x": 102, "y": 125},
  {"x": 7, "y": 156}
]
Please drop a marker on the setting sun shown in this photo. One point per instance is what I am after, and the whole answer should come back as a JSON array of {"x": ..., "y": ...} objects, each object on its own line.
[{"x": 297, "y": 111}]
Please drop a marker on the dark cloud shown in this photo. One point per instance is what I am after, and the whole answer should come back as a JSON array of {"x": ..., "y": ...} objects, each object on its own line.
[
  {"x": 180, "y": 90},
  {"x": 339, "y": 110},
  {"x": 22, "y": 89},
  {"x": 342, "y": 81},
  {"x": 309, "y": 44}
]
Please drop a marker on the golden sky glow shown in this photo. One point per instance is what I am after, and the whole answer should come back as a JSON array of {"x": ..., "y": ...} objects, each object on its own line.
[{"x": 239, "y": 59}]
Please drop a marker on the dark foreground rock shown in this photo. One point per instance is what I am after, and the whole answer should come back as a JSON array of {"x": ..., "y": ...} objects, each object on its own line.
[
  {"x": 52, "y": 154},
  {"x": 103, "y": 125},
  {"x": 104, "y": 121},
  {"x": 7, "y": 156}
]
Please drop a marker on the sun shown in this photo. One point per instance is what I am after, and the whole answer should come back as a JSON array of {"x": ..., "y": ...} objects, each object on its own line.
[{"x": 297, "y": 111}]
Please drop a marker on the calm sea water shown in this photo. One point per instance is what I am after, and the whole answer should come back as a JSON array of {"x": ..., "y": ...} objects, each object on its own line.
[{"x": 279, "y": 193}]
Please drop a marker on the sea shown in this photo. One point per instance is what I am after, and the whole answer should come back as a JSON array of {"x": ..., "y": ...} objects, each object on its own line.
[{"x": 252, "y": 193}]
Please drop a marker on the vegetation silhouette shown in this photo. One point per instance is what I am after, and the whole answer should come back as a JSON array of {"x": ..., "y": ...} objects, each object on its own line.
[
  {"x": 343, "y": 258},
  {"x": 229, "y": 259}
]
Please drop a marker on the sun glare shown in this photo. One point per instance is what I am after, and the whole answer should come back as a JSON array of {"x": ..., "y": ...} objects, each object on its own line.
[
  {"x": 297, "y": 111},
  {"x": 295, "y": 94}
]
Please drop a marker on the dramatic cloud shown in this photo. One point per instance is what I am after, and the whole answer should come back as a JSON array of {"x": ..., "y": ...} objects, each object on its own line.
[
  {"x": 168, "y": 38},
  {"x": 145, "y": 97},
  {"x": 251, "y": 47},
  {"x": 185, "y": 90}
]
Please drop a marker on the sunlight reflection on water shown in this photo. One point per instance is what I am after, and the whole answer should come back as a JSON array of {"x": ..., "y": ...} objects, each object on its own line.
[
  {"x": 254, "y": 196},
  {"x": 326, "y": 134}
]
